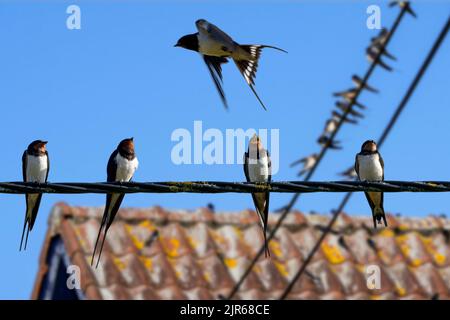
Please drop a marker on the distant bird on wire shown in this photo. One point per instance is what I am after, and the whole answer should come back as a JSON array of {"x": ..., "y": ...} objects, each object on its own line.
[
  {"x": 371, "y": 56},
  {"x": 340, "y": 116},
  {"x": 333, "y": 144},
  {"x": 359, "y": 83},
  {"x": 403, "y": 4},
  {"x": 308, "y": 163},
  {"x": 216, "y": 47}
]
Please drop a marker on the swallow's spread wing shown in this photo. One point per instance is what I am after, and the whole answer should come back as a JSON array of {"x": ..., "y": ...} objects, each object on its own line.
[
  {"x": 214, "y": 65},
  {"x": 212, "y": 31}
]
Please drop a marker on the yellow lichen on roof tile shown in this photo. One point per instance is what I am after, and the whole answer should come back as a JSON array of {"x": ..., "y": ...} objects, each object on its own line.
[
  {"x": 121, "y": 265},
  {"x": 171, "y": 247},
  {"x": 400, "y": 290},
  {"x": 192, "y": 242},
  {"x": 230, "y": 262},
  {"x": 387, "y": 233},
  {"x": 332, "y": 253},
  {"x": 147, "y": 224},
  {"x": 80, "y": 237},
  {"x": 147, "y": 262},
  {"x": 275, "y": 248},
  {"x": 438, "y": 257},
  {"x": 137, "y": 243},
  {"x": 281, "y": 267}
]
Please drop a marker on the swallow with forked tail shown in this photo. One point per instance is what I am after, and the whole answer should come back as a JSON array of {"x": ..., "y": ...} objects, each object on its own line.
[
  {"x": 339, "y": 116},
  {"x": 35, "y": 168},
  {"x": 308, "y": 163},
  {"x": 258, "y": 168},
  {"x": 369, "y": 166},
  {"x": 216, "y": 47},
  {"x": 121, "y": 167},
  {"x": 359, "y": 83}
]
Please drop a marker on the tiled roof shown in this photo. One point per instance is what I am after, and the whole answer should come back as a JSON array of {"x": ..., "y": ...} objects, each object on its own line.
[{"x": 158, "y": 254}]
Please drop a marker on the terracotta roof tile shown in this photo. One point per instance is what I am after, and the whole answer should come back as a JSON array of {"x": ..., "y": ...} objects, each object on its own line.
[{"x": 154, "y": 253}]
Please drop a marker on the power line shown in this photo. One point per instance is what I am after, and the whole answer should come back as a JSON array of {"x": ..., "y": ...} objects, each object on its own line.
[
  {"x": 223, "y": 187},
  {"x": 383, "y": 137},
  {"x": 324, "y": 149}
]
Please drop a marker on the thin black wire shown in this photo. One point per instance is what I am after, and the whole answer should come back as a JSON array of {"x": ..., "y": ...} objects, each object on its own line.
[
  {"x": 223, "y": 187},
  {"x": 383, "y": 137},
  {"x": 324, "y": 149}
]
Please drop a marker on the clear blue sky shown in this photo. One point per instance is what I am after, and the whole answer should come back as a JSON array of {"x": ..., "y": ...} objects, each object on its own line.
[{"x": 120, "y": 76}]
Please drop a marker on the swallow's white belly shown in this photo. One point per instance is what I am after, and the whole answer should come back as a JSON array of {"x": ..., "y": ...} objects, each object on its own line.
[
  {"x": 125, "y": 168},
  {"x": 36, "y": 168},
  {"x": 370, "y": 168},
  {"x": 259, "y": 170}
]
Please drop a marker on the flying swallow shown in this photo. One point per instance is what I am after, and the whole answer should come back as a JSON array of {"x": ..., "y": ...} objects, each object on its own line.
[
  {"x": 371, "y": 56},
  {"x": 333, "y": 144},
  {"x": 339, "y": 117},
  {"x": 122, "y": 165},
  {"x": 403, "y": 4},
  {"x": 216, "y": 47},
  {"x": 350, "y": 173},
  {"x": 258, "y": 168},
  {"x": 344, "y": 107},
  {"x": 369, "y": 166},
  {"x": 359, "y": 83},
  {"x": 35, "y": 168},
  {"x": 308, "y": 163}
]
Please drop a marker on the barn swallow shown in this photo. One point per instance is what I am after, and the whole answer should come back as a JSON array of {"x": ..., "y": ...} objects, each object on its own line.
[
  {"x": 403, "y": 4},
  {"x": 369, "y": 166},
  {"x": 35, "y": 168},
  {"x": 359, "y": 83},
  {"x": 216, "y": 47},
  {"x": 258, "y": 168},
  {"x": 334, "y": 144},
  {"x": 330, "y": 126},
  {"x": 350, "y": 173},
  {"x": 381, "y": 38},
  {"x": 339, "y": 117},
  {"x": 348, "y": 94},
  {"x": 122, "y": 165},
  {"x": 308, "y": 163},
  {"x": 344, "y": 107},
  {"x": 371, "y": 56},
  {"x": 377, "y": 49}
]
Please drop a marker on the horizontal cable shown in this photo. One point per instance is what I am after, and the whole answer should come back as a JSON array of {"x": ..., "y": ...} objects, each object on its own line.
[{"x": 224, "y": 187}]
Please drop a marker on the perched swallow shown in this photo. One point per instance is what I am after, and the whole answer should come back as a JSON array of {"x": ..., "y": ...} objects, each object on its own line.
[
  {"x": 308, "y": 163},
  {"x": 403, "y": 4},
  {"x": 359, "y": 83},
  {"x": 121, "y": 167},
  {"x": 334, "y": 144},
  {"x": 35, "y": 168},
  {"x": 348, "y": 94},
  {"x": 216, "y": 47},
  {"x": 339, "y": 117},
  {"x": 377, "y": 49},
  {"x": 258, "y": 168},
  {"x": 350, "y": 173},
  {"x": 330, "y": 126},
  {"x": 369, "y": 166},
  {"x": 341, "y": 104},
  {"x": 344, "y": 107},
  {"x": 381, "y": 38},
  {"x": 371, "y": 56}
]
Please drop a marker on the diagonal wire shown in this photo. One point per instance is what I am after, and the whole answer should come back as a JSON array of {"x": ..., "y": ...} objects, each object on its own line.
[
  {"x": 383, "y": 137},
  {"x": 324, "y": 149}
]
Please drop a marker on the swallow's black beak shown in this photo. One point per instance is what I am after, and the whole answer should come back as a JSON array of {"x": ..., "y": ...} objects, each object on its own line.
[
  {"x": 44, "y": 142},
  {"x": 131, "y": 138},
  {"x": 177, "y": 45}
]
